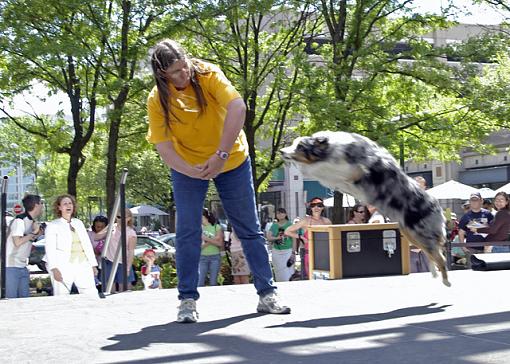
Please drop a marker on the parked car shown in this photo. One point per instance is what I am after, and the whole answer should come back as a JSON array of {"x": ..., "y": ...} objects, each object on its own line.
[
  {"x": 147, "y": 242},
  {"x": 142, "y": 242},
  {"x": 168, "y": 239},
  {"x": 37, "y": 254}
]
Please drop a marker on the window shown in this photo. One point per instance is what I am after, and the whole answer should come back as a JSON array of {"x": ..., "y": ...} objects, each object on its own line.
[
  {"x": 505, "y": 158},
  {"x": 476, "y": 161},
  {"x": 425, "y": 166},
  {"x": 296, "y": 177},
  {"x": 439, "y": 171}
]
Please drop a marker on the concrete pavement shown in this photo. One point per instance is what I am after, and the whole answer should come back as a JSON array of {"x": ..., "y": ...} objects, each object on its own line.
[{"x": 397, "y": 319}]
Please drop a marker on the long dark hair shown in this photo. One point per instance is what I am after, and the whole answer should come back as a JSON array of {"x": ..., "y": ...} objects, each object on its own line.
[
  {"x": 209, "y": 216},
  {"x": 507, "y": 198},
  {"x": 163, "y": 55},
  {"x": 309, "y": 209},
  {"x": 355, "y": 208},
  {"x": 283, "y": 211},
  {"x": 99, "y": 218}
]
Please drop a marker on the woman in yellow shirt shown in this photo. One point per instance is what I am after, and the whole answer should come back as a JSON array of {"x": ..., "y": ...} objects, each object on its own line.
[{"x": 196, "y": 118}]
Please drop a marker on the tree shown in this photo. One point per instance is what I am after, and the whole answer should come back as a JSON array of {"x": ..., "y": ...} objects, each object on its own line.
[
  {"x": 126, "y": 31},
  {"x": 380, "y": 78},
  {"x": 258, "y": 44},
  {"x": 39, "y": 45}
]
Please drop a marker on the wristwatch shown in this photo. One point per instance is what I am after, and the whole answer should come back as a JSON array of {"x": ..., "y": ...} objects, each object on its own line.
[{"x": 223, "y": 155}]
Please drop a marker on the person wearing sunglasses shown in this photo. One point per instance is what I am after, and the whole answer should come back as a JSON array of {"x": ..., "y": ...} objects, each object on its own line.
[
  {"x": 358, "y": 214},
  {"x": 316, "y": 206},
  {"x": 69, "y": 254}
]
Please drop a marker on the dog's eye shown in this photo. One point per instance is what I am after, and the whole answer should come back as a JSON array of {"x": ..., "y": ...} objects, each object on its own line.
[{"x": 300, "y": 148}]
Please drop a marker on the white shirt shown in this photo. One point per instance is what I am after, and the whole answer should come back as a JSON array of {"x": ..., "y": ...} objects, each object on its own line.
[
  {"x": 17, "y": 256},
  {"x": 377, "y": 216}
]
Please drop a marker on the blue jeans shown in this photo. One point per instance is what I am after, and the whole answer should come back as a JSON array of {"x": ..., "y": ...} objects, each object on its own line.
[
  {"x": 119, "y": 275},
  {"x": 501, "y": 249},
  {"x": 236, "y": 192},
  {"x": 17, "y": 282},
  {"x": 209, "y": 264}
]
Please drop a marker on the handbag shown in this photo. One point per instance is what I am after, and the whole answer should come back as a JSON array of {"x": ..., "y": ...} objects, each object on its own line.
[
  {"x": 98, "y": 249},
  {"x": 490, "y": 261}
]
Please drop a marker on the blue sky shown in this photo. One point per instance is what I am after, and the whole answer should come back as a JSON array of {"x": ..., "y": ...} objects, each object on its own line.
[{"x": 467, "y": 13}]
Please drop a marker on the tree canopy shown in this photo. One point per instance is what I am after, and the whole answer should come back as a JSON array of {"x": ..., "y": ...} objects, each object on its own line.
[{"x": 301, "y": 66}]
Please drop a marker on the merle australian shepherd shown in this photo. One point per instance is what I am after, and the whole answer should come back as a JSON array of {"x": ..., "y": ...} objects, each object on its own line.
[{"x": 356, "y": 165}]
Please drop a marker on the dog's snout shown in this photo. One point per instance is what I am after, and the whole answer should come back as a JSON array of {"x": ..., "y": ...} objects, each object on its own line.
[{"x": 286, "y": 152}]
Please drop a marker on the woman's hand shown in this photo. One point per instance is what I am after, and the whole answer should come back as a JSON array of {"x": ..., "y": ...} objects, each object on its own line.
[
  {"x": 95, "y": 271},
  {"x": 211, "y": 168},
  {"x": 57, "y": 275}
]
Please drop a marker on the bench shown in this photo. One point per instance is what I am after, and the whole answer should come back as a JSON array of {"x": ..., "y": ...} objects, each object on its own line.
[{"x": 450, "y": 245}]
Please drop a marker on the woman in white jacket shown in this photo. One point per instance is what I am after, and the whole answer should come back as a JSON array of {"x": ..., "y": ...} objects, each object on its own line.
[{"x": 69, "y": 254}]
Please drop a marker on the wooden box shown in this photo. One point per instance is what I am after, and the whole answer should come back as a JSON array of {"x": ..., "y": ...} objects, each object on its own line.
[{"x": 357, "y": 250}]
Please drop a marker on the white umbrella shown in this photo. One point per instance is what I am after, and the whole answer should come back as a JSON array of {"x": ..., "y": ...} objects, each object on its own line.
[
  {"x": 452, "y": 190},
  {"x": 505, "y": 188},
  {"x": 146, "y": 210},
  {"x": 347, "y": 201},
  {"x": 487, "y": 192}
]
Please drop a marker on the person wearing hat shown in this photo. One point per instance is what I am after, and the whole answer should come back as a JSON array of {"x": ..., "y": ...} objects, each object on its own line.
[
  {"x": 477, "y": 217},
  {"x": 498, "y": 230},
  {"x": 151, "y": 272}
]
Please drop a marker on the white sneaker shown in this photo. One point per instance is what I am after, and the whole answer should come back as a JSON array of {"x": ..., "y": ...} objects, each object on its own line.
[
  {"x": 270, "y": 303},
  {"x": 187, "y": 311}
]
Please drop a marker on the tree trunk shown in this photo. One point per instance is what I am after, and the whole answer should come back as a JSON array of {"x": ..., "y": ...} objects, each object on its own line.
[
  {"x": 72, "y": 173},
  {"x": 338, "y": 209}
]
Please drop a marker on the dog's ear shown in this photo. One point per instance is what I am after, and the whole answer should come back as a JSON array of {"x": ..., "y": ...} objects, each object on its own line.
[
  {"x": 314, "y": 148},
  {"x": 321, "y": 142}
]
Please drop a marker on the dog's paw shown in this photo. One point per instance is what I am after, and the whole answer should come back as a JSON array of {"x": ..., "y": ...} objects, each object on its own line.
[{"x": 447, "y": 283}]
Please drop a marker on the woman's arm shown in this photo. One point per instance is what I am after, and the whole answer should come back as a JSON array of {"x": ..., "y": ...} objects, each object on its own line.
[
  {"x": 174, "y": 161},
  {"x": 131, "y": 245},
  {"x": 234, "y": 121},
  {"x": 269, "y": 234},
  {"x": 497, "y": 224},
  {"x": 217, "y": 240},
  {"x": 292, "y": 230}
]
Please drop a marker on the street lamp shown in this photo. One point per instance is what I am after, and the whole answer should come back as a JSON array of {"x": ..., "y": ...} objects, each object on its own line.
[{"x": 20, "y": 172}]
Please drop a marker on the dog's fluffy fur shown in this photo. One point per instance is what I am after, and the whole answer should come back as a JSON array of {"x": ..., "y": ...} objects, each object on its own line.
[{"x": 353, "y": 164}]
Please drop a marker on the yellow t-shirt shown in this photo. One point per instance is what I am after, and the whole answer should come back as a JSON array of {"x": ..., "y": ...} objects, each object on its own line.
[{"x": 196, "y": 136}]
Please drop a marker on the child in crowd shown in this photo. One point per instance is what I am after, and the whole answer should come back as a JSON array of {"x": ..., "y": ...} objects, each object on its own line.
[{"x": 151, "y": 272}]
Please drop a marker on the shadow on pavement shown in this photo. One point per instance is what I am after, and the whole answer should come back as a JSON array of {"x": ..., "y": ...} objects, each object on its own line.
[
  {"x": 442, "y": 341},
  {"x": 359, "y": 319}
]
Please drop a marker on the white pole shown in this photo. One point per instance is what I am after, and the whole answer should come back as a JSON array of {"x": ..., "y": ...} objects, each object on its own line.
[{"x": 20, "y": 178}]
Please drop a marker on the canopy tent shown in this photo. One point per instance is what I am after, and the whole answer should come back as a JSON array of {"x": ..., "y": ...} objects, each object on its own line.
[
  {"x": 487, "y": 192},
  {"x": 347, "y": 201},
  {"x": 146, "y": 210},
  {"x": 505, "y": 188},
  {"x": 452, "y": 190}
]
